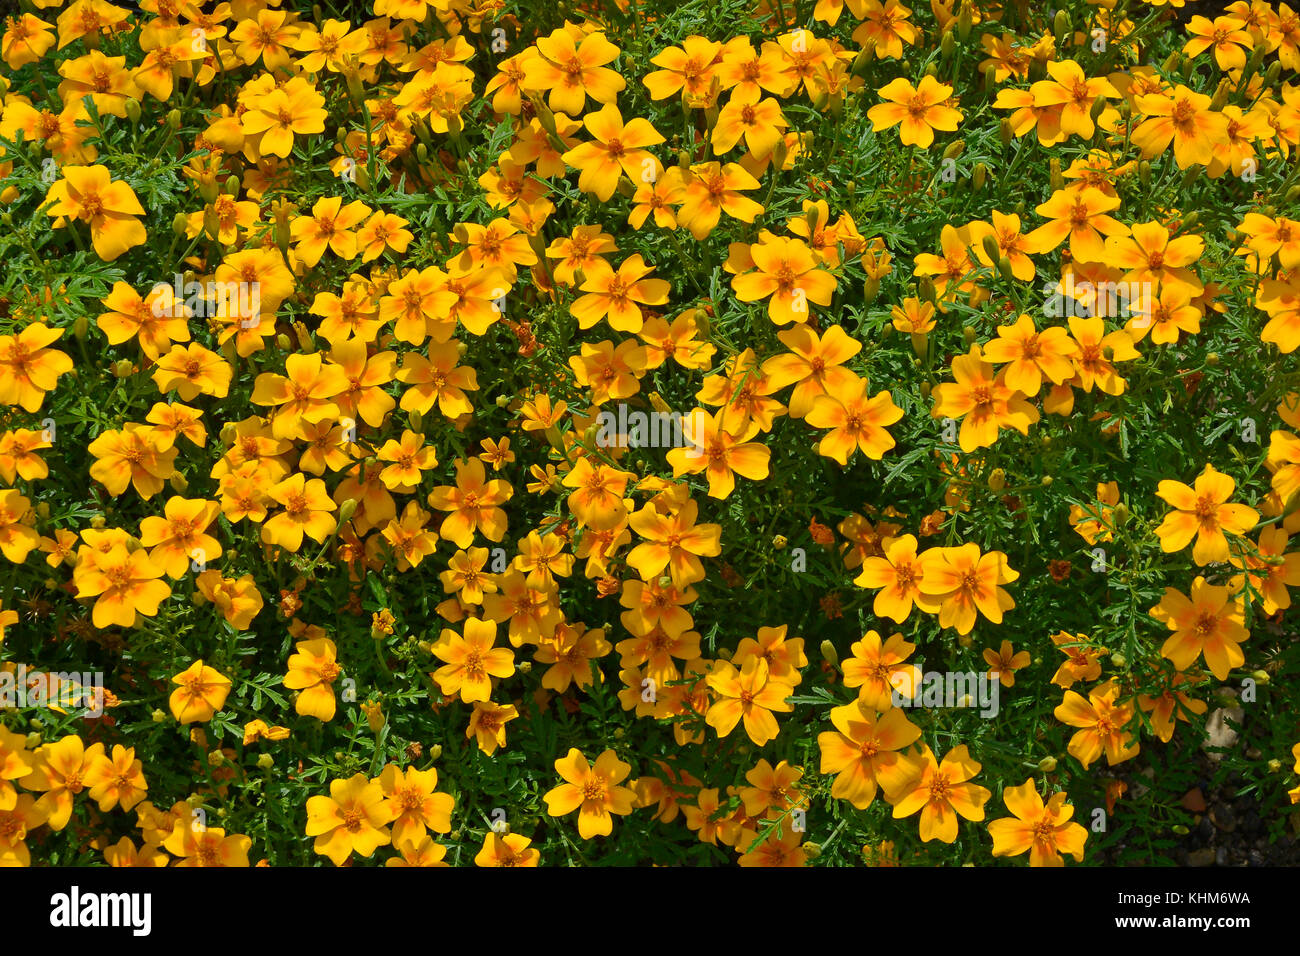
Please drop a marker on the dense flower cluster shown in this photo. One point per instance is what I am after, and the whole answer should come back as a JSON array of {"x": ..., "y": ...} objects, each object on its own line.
[{"x": 475, "y": 398}]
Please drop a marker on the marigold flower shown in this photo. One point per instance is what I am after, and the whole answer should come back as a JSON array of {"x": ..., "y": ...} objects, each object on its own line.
[
  {"x": 1081, "y": 661},
  {"x": 1182, "y": 117},
  {"x": 750, "y": 694},
  {"x": 573, "y": 68},
  {"x": 202, "y": 692},
  {"x": 487, "y": 725},
  {"x": 920, "y": 109},
  {"x": 983, "y": 401},
  {"x": 856, "y": 422},
  {"x": 313, "y": 669},
  {"x": 124, "y": 584},
  {"x": 181, "y": 535},
  {"x": 1169, "y": 704},
  {"x": 1209, "y": 622},
  {"x": 1044, "y": 830},
  {"x": 613, "y": 295},
  {"x": 593, "y": 791},
  {"x": 473, "y": 504},
  {"x": 711, "y": 190},
  {"x": 510, "y": 849},
  {"x": 17, "y": 539},
  {"x": 962, "y": 581},
  {"x": 471, "y": 661},
  {"x": 1004, "y": 662},
  {"x": 29, "y": 368},
  {"x": 58, "y": 773},
  {"x": 877, "y": 668},
  {"x": 207, "y": 846},
  {"x": 618, "y": 148},
  {"x": 355, "y": 816},
  {"x": 788, "y": 276},
  {"x": 117, "y": 779},
  {"x": 863, "y": 746},
  {"x": 1203, "y": 512},
  {"x": 308, "y": 511},
  {"x": 941, "y": 791},
  {"x": 688, "y": 69},
  {"x": 413, "y": 803},
  {"x": 87, "y": 193},
  {"x": 1101, "y": 719}
]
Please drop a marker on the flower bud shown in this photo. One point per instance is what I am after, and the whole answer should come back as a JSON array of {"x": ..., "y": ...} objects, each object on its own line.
[
  {"x": 780, "y": 541},
  {"x": 1061, "y": 27},
  {"x": 829, "y": 654},
  {"x": 158, "y": 716},
  {"x": 997, "y": 479},
  {"x": 174, "y": 120},
  {"x": 1047, "y": 764},
  {"x": 374, "y": 712},
  {"x": 347, "y": 510},
  {"x": 991, "y": 248},
  {"x": 265, "y": 761}
]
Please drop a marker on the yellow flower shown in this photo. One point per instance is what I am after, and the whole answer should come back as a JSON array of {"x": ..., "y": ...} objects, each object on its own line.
[
  {"x": 591, "y": 790},
  {"x": 1044, "y": 830},
  {"x": 508, "y": 850},
  {"x": 920, "y": 109},
  {"x": 471, "y": 661},
  {"x": 355, "y": 816},
  {"x": 750, "y": 694},
  {"x": 201, "y": 694},
  {"x": 312, "y": 672},
  {"x": 1203, "y": 512},
  {"x": 942, "y": 792},
  {"x": 414, "y": 805}
]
